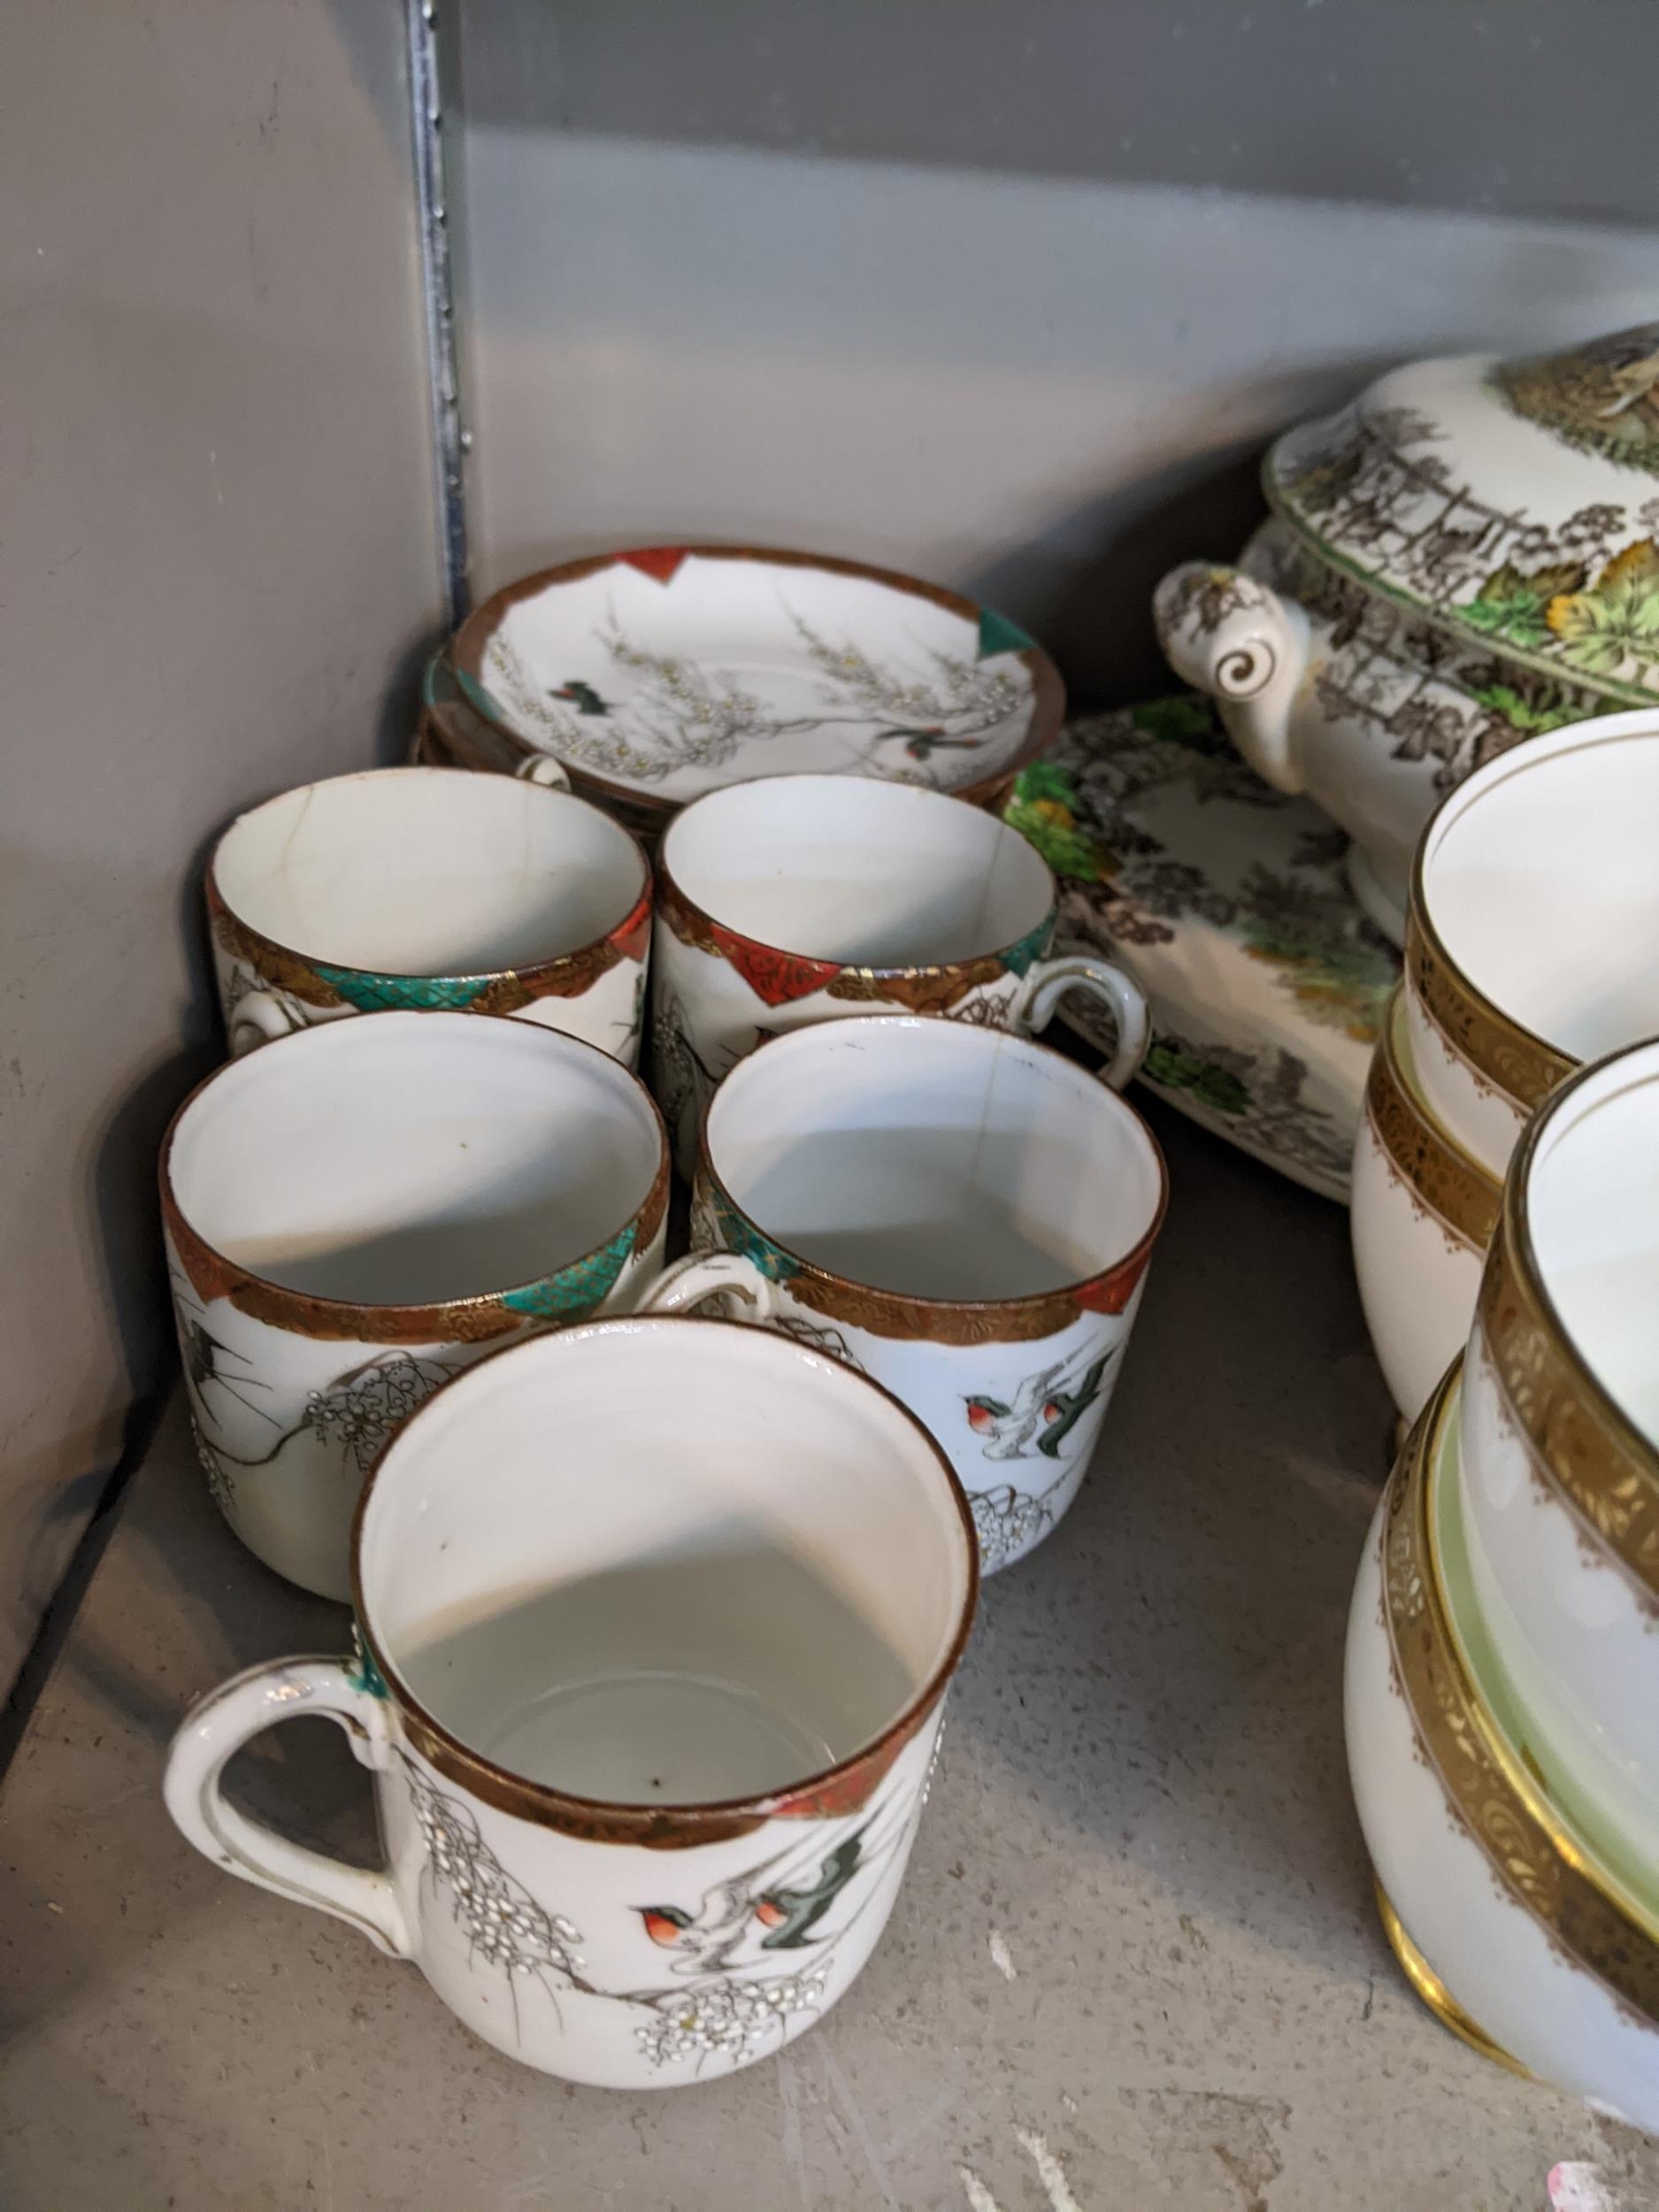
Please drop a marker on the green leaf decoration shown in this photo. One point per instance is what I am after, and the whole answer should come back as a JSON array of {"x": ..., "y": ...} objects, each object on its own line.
[
  {"x": 1045, "y": 810},
  {"x": 1180, "y": 720},
  {"x": 1511, "y": 603},
  {"x": 1213, "y": 1086},
  {"x": 1522, "y": 714},
  {"x": 1616, "y": 621}
]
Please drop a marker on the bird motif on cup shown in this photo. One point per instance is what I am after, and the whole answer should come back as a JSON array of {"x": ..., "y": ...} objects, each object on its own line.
[{"x": 1043, "y": 1412}]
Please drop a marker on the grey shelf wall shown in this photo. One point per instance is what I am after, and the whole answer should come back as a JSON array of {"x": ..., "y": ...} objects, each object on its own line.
[
  {"x": 217, "y": 558},
  {"x": 1011, "y": 292}
]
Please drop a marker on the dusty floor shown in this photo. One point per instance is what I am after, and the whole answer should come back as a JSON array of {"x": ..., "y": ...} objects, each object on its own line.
[{"x": 1135, "y": 1963}]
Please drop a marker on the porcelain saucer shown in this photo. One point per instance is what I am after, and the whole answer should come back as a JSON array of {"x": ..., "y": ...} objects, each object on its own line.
[{"x": 1230, "y": 905}]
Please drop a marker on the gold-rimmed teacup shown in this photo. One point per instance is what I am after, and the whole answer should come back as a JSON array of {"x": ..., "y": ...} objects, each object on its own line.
[
  {"x": 809, "y": 898},
  {"x": 1422, "y": 1211},
  {"x": 1533, "y": 913},
  {"x": 1560, "y": 1465},
  {"x": 966, "y": 1216},
  {"x": 423, "y": 889},
  {"x": 1541, "y": 1954}
]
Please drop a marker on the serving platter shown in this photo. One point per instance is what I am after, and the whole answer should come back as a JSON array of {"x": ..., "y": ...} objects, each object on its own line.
[{"x": 1231, "y": 906}]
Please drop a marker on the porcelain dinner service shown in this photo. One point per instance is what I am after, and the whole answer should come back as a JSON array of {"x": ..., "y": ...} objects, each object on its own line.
[
  {"x": 1534, "y": 913},
  {"x": 1462, "y": 560},
  {"x": 661, "y": 1568}
]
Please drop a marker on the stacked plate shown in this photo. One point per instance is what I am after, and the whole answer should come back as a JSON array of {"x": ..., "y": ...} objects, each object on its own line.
[
  {"x": 1532, "y": 946},
  {"x": 1502, "y": 1675},
  {"x": 648, "y": 677}
]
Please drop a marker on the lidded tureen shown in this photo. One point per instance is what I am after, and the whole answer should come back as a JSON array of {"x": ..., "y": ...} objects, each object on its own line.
[{"x": 1464, "y": 557}]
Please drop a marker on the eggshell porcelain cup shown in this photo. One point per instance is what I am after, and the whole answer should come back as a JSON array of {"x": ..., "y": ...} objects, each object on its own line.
[
  {"x": 1534, "y": 916},
  {"x": 966, "y": 1216},
  {"x": 429, "y": 887},
  {"x": 1421, "y": 1212},
  {"x": 356, "y": 1212},
  {"x": 1505, "y": 1921},
  {"x": 655, "y": 1622},
  {"x": 801, "y": 898},
  {"x": 1561, "y": 1452}
]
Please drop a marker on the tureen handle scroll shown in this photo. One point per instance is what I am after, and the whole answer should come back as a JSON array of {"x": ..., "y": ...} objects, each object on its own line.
[{"x": 1246, "y": 644}]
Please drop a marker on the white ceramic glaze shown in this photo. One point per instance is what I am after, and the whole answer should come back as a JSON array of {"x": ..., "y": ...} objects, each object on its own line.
[
  {"x": 1420, "y": 1214},
  {"x": 1496, "y": 1961},
  {"x": 659, "y": 674},
  {"x": 1577, "y": 1630},
  {"x": 799, "y": 898},
  {"x": 431, "y": 889},
  {"x": 962, "y": 1214},
  {"x": 1537, "y": 911},
  {"x": 357, "y": 1211},
  {"x": 1506, "y": 505},
  {"x": 656, "y": 1621},
  {"x": 1461, "y": 560},
  {"x": 1333, "y": 692}
]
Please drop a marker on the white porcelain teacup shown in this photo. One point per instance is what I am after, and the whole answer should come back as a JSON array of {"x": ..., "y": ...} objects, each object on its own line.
[
  {"x": 656, "y": 1619},
  {"x": 431, "y": 887},
  {"x": 1515, "y": 1931},
  {"x": 1534, "y": 918},
  {"x": 1560, "y": 1464},
  {"x": 794, "y": 899},
  {"x": 963, "y": 1214},
  {"x": 358, "y": 1211},
  {"x": 1421, "y": 1213}
]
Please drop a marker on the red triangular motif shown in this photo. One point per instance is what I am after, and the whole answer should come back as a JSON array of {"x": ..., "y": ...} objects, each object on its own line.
[
  {"x": 775, "y": 977},
  {"x": 660, "y": 561},
  {"x": 1110, "y": 1292}
]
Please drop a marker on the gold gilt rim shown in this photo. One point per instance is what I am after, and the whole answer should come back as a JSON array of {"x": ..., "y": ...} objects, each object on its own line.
[
  {"x": 1541, "y": 1868},
  {"x": 1583, "y": 1443},
  {"x": 1439, "y": 1174},
  {"x": 1519, "y": 1770},
  {"x": 1524, "y": 1066},
  {"x": 1433, "y": 1992}
]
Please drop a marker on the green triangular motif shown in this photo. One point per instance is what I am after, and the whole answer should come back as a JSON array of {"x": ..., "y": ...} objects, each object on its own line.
[
  {"x": 1019, "y": 959},
  {"x": 998, "y": 635},
  {"x": 419, "y": 993},
  {"x": 578, "y": 1289}
]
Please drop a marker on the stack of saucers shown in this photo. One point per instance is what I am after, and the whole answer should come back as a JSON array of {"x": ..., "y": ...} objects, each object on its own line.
[
  {"x": 1532, "y": 946},
  {"x": 1503, "y": 1689},
  {"x": 647, "y": 677}
]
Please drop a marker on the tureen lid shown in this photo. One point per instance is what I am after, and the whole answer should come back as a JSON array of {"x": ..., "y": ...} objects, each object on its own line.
[{"x": 1515, "y": 501}]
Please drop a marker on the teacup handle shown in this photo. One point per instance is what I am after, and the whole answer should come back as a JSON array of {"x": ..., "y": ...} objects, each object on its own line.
[
  {"x": 1047, "y": 983},
  {"x": 257, "y": 1018},
  {"x": 701, "y": 1275},
  {"x": 230, "y": 1716},
  {"x": 543, "y": 769}
]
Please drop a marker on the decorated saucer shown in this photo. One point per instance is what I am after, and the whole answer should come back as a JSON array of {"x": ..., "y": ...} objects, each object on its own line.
[
  {"x": 657, "y": 674},
  {"x": 1230, "y": 905}
]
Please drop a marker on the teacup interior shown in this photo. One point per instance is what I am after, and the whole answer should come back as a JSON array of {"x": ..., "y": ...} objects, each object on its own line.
[
  {"x": 934, "y": 1159},
  {"x": 407, "y": 1159},
  {"x": 844, "y": 868},
  {"x": 428, "y": 872},
  {"x": 1592, "y": 1198},
  {"x": 1542, "y": 882},
  {"x": 663, "y": 1562}
]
